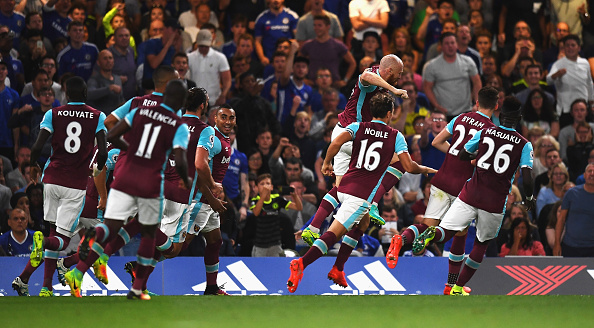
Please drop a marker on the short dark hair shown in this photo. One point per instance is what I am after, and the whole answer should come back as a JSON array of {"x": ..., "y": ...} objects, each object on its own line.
[
  {"x": 445, "y": 35},
  {"x": 263, "y": 177},
  {"x": 179, "y": 54},
  {"x": 196, "y": 97},
  {"x": 573, "y": 37},
  {"x": 372, "y": 34},
  {"x": 511, "y": 104},
  {"x": 77, "y": 5},
  {"x": 239, "y": 19},
  {"x": 381, "y": 103},
  {"x": 279, "y": 54},
  {"x": 535, "y": 65},
  {"x": 324, "y": 18},
  {"x": 293, "y": 161},
  {"x": 451, "y": 2},
  {"x": 301, "y": 59},
  {"x": 31, "y": 14},
  {"x": 75, "y": 23},
  {"x": 487, "y": 97},
  {"x": 76, "y": 89},
  {"x": 33, "y": 33}
]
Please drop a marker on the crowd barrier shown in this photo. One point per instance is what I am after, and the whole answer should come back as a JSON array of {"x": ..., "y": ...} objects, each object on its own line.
[{"x": 365, "y": 276}]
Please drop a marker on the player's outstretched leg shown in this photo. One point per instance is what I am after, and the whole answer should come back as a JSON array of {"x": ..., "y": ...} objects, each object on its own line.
[
  {"x": 472, "y": 263},
  {"x": 319, "y": 248},
  {"x": 455, "y": 263},
  {"x": 327, "y": 206}
]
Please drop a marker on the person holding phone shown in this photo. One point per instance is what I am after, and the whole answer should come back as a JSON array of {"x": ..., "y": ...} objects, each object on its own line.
[{"x": 266, "y": 207}]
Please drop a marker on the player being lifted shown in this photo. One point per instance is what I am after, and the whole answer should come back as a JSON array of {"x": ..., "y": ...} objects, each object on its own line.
[
  {"x": 448, "y": 182},
  {"x": 151, "y": 134},
  {"x": 74, "y": 128},
  {"x": 382, "y": 77},
  {"x": 499, "y": 152},
  {"x": 375, "y": 145}
]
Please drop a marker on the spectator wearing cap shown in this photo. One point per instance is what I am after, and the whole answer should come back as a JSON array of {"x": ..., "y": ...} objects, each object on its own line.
[
  {"x": 160, "y": 51},
  {"x": 210, "y": 69},
  {"x": 9, "y": 103},
  {"x": 78, "y": 57},
  {"x": 371, "y": 47}
]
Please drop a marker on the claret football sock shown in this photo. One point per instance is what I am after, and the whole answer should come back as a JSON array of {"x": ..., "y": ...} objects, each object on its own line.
[
  {"x": 472, "y": 263},
  {"x": 319, "y": 248},
  {"x": 211, "y": 262},
  {"x": 328, "y": 204},
  {"x": 349, "y": 242},
  {"x": 455, "y": 258}
]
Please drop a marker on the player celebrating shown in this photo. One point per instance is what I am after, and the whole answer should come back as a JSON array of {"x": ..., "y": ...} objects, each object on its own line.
[
  {"x": 373, "y": 80},
  {"x": 152, "y": 133},
  {"x": 161, "y": 76},
  {"x": 74, "y": 128},
  {"x": 448, "y": 182},
  {"x": 500, "y": 151},
  {"x": 212, "y": 160},
  {"x": 375, "y": 145}
]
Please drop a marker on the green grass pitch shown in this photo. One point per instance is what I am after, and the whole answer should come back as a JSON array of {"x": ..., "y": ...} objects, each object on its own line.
[{"x": 299, "y": 311}]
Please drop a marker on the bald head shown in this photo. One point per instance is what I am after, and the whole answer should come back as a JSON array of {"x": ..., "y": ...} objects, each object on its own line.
[
  {"x": 391, "y": 68},
  {"x": 105, "y": 60}
]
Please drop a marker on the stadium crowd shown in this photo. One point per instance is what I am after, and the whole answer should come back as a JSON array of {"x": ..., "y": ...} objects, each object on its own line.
[{"x": 287, "y": 68}]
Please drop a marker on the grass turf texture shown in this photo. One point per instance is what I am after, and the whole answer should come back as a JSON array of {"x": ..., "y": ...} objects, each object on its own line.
[{"x": 296, "y": 311}]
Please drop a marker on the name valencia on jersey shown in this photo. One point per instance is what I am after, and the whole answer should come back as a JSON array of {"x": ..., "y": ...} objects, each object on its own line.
[{"x": 157, "y": 116}]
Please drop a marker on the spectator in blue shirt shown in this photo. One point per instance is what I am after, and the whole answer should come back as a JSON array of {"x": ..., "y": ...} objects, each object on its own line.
[
  {"x": 78, "y": 57},
  {"x": 18, "y": 241},
  {"x": 271, "y": 24}
]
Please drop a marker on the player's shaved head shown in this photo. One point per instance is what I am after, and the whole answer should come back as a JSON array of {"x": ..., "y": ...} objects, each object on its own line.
[
  {"x": 390, "y": 60},
  {"x": 511, "y": 112},
  {"x": 390, "y": 68},
  {"x": 487, "y": 97},
  {"x": 76, "y": 89},
  {"x": 381, "y": 104},
  {"x": 196, "y": 98},
  {"x": 175, "y": 94},
  {"x": 162, "y": 75}
]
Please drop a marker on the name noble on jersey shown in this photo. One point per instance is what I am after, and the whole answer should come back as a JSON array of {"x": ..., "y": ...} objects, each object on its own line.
[
  {"x": 74, "y": 113},
  {"x": 472, "y": 121},
  {"x": 503, "y": 136},
  {"x": 375, "y": 133},
  {"x": 158, "y": 116}
]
